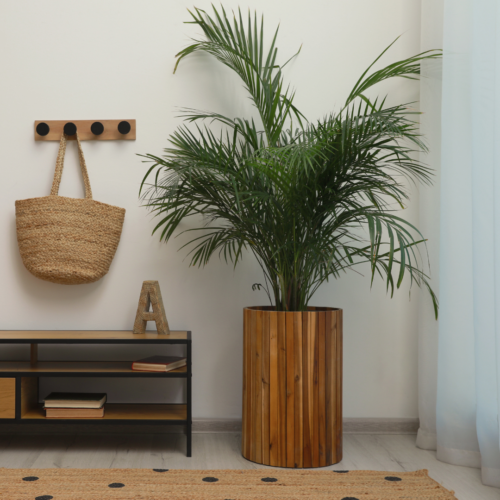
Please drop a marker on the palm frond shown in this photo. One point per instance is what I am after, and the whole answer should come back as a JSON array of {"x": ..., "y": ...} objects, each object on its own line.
[
  {"x": 310, "y": 204},
  {"x": 242, "y": 49}
]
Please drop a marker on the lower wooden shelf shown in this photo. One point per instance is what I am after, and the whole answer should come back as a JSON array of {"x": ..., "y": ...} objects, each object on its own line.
[
  {"x": 120, "y": 412},
  {"x": 20, "y": 397}
]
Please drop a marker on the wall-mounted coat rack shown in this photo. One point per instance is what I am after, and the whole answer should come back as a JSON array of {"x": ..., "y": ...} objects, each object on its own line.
[{"x": 88, "y": 130}]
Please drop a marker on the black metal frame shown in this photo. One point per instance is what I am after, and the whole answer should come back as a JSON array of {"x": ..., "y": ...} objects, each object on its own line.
[{"x": 159, "y": 340}]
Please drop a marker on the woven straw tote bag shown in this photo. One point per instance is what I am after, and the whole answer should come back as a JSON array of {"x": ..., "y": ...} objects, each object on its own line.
[{"x": 68, "y": 240}]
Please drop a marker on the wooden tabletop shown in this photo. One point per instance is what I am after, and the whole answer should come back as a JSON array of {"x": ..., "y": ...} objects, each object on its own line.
[{"x": 91, "y": 337}]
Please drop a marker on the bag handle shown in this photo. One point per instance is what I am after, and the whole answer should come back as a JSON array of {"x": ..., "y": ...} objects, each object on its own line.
[{"x": 60, "y": 165}]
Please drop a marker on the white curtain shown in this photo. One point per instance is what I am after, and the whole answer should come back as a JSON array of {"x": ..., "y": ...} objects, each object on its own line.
[{"x": 467, "y": 430}]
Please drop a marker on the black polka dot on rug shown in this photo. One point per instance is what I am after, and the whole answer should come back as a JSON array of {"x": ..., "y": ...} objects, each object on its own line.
[
  {"x": 350, "y": 498},
  {"x": 30, "y": 478},
  {"x": 210, "y": 479},
  {"x": 44, "y": 497},
  {"x": 341, "y": 471},
  {"x": 392, "y": 478},
  {"x": 269, "y": 479},
  {"x": 116, "y": 485},
  {"x": 161, "y": 470}
]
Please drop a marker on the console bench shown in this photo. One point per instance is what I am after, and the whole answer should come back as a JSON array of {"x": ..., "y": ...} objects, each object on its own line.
[{"x": 19, "y": 380}]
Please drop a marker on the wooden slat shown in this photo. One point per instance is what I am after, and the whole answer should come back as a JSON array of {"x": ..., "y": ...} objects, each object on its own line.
[
  {"x": 274, "y": 430},
  {"x": 338, "y": 395},
  {"x": 307, "y": 385},
  {"x": 299, "y": 417},
  {"x": 252, "y": 370},
  {"x": 282, "y": 385},
  {"x": 246, "y": 380},
  {"x": 250, "y": 399},
  {"x": 265, "y": 389},
  {"x": 334, "y": 367},
  {"x": 329, "y": 380},
  {"x": 315, "y": 413},
  {"x": 321, "y": 388},
  {"x": 7, "y": 398},
  {"x": 290, "y": 391},
  {"x": 257, "y": 410}
]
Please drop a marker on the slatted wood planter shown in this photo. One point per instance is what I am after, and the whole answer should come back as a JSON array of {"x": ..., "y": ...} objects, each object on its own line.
[{"x": 292, "y": 387}]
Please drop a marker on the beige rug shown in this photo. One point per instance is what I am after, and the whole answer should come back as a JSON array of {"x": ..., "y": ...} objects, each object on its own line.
[{"x": 257, "y": 484}]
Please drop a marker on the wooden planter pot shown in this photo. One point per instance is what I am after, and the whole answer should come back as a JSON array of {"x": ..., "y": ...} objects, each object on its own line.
[{"x": 292, "y": 387}]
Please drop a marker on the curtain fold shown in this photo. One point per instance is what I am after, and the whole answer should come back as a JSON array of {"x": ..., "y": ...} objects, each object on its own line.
[
  {"x": 485, "y": 92},
  {"x": 468, "y": 364},
  {"x": 429, "y": 201}
]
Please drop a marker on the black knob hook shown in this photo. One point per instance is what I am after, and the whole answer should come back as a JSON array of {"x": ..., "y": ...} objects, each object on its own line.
[
  {"x": 42, "y": 129},
  {"x": 97, "y": 128},
  {"x": 70, "y": 128},
  {"x": 124, "y": 127}
]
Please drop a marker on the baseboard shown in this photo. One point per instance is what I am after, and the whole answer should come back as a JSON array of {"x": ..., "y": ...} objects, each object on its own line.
[
  {"x": 350, "y": 425},
  {"x": 381, "y": 425},
  {"x": 206, "y": 425},
  {"x": 216, "y": 425}
]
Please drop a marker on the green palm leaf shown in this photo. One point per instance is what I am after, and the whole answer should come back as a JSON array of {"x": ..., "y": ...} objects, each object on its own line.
[{"x": 309, "y": 204}]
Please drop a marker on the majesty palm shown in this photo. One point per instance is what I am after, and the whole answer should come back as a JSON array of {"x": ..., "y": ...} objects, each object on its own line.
[{"x": 309, "y": 199}]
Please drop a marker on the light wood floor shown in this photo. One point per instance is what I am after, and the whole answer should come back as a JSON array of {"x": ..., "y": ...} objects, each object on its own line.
[{"x": 222, "y": 451}]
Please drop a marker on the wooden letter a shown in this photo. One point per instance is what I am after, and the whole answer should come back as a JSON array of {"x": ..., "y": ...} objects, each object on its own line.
[{"x": 151, "y": 295}]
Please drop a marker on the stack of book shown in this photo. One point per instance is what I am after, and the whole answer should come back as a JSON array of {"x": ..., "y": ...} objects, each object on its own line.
[
  {"x": 159, "y": 363},
  {"x": 74, "y": 405}
]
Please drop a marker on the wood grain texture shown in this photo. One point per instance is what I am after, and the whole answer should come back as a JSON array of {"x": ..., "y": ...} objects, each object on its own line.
[
  {"x": 274, "y": 433},
  {"x": 257, "y": 420},
  {"x": 298, "y": 382},
  {"x": 246, "y": 380},
  {"x": 338, "y": 380},
  {"x": 124, "y": 412},
  {"x": 266, "y": 410},
  {"x": 74, "y": 367},
  {"x": 254, "y": 381},
  {"x": 321, "y": 388},
  {"x": 282, "y": 386},
  {"x": 307, "y": 453},
  {"x": 248, "y": 356},
  {"x": 29, "y": 395},
  {"x": 329, "y": 387},
  {"x": 55, "y": 335},
  {"x": 292, "y": 388},
  {"x": 315, "y": 406},
  {"x": 7, "y": 398},
  {"x": 110, "y": 133}
]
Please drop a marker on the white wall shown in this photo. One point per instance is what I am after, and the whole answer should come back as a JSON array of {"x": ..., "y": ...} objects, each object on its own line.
[{"x": 114, "y": 59}]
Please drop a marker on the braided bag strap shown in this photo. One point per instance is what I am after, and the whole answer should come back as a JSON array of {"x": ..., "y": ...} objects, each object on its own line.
[{"x": 60, "y": 165}]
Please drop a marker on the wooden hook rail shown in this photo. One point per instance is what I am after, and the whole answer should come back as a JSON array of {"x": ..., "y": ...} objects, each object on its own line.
[{"x": 88, "y": 130}]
